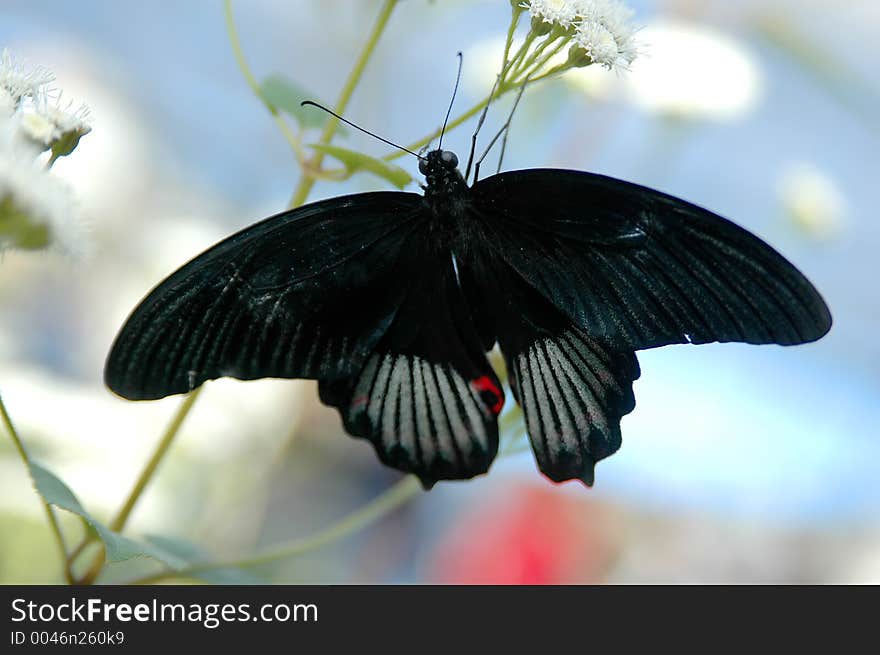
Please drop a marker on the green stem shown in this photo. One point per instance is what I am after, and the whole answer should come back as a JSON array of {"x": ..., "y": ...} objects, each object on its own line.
[
  {"x": 80, "y": 547},
  {"x": 121, "y": 518},
  {"x": 507, "y": 65},
  {"x": 520, "y": 53},
  {"x": 511, "y": 30},
  {"x": 470, "y": 113},
  {"x": 237, "y": 51},
  {"x": 308, "y": 180},
  {"x": 556, "y": 70},
  {"x": 118, "y": 523},
  {"x": 379, "y": 507},
  {"x": 50, "y": 514},
  {"x": 539, "y": 62},
  {"x": 522, "y": 56},
  {"x": 385, "y": 503},
  {"x": 503, "y": 89},
  {"x": 536, "y": 54}
]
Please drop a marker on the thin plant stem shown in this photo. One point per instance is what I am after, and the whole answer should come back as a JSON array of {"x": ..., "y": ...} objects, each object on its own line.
[
  {"x": 237, "y": 51},
  {"x": 385, "y": 503},
  {"x": 80, "y": 547},
  {"x": 389, "y": 500},
  {"x": 473, "y": 111},
  {"x": 50, "y": 513},
  {"x": 308, "y": 180},
  {"x": 520, "y": 56},
  {"x": 502, "y": 88},
  {"x": 539, "y": 62},
  {"x": 556, "y": 70},
  {"x": 514, "y": 21},
  {"x": 523, "y": 57},
  {"x": 525, "y": 63},
  {"x": 122, "y": 516},
  {"x": 470, "y": 113}
]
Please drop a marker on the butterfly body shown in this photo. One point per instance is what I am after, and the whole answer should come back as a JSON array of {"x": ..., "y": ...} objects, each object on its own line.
[{"x": 391, "y": 300}]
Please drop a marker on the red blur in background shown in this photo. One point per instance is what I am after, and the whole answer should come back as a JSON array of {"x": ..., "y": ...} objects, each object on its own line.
[{"x": 533, "y": 535}]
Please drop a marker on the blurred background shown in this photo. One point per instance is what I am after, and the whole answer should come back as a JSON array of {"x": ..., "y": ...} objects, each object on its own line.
[{"x": 739, "y": 464}]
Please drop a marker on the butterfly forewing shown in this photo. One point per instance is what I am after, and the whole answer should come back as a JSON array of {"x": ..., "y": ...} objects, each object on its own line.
[
  {"x": 638, "y": 268},
  {"x": 304, "y": 294}
]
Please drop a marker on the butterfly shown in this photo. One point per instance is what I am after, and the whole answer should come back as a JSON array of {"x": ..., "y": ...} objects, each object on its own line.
[{"x": 391, "y": 300}]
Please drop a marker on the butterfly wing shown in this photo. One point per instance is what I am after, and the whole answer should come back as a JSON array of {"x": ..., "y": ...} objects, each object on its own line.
[
  {"x": 637, "y": 268},
  {"x": 426, "y": 397},
  {"x": 304, "y": 294},
  {"x": 573, "y": 389},
  {"x": 354, "y": 292}
]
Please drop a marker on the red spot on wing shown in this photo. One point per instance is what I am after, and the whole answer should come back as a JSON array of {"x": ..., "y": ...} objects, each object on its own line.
[
  {"x": 486, "y": 384},
  {"x": 359, "y": 402}
]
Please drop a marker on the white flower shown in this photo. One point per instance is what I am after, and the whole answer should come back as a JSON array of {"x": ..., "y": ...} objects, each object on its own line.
[
  {"x": 39, "y": 128},
  {"x": 7, "y": 103},
  {"x": 560, "y": 12},
  {"x": 51, "y": 125},
  {"x": 692, "y": 71},
  {"x": 604, "y": 32},
  {"x": 19, "y": 82},
  {"x": 598, "y": 42},
  {"x": 812, "y": 200},
  {"x": 37, "y": 210},
  {"x": 13, "y": 141}
]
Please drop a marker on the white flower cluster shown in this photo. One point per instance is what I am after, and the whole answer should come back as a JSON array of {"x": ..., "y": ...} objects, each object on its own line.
[
  {"x": 37, "y": 209},
  {"x": 601, "y": 28},
  {"x": 559, "y": 12},
  {"x": 17, "y": 83}
]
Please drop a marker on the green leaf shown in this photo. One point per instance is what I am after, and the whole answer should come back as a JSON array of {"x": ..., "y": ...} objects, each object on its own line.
[
  {"x": 357, "y": 161},
  {"x": 176, "y": 554},
  {"x": 286, "y": 95},
  {"x": 117, "y": 546}
]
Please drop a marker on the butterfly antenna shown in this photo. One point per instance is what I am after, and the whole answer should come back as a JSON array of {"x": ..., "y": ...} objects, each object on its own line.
[
  {"x": 480, "y": 122},
  {"x": 451, "y": 102},
  {"x": 358, "y": 127},
  {"x": 504, "y": 130}
]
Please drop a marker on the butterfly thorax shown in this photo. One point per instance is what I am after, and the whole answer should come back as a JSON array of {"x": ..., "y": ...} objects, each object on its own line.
[{"x": 446, "y": 191}]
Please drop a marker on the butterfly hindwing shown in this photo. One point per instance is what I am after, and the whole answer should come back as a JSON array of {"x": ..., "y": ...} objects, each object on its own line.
[
  {"x": 638, "y": 268},
  {"x": 306, "y": 293},
  {"x": 573, "y": 393},
  {"x": 426, "y": 398},
  {"x": 573, "y": 389}
]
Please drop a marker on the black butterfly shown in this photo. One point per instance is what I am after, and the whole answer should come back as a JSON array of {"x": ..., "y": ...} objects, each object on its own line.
[{"x": 391, "y": 300}]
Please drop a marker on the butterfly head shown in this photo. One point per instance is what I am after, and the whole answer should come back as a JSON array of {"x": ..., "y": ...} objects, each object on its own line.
[
  {"x": 438, "y": 162},
  {"x": 442, "y": 177}
]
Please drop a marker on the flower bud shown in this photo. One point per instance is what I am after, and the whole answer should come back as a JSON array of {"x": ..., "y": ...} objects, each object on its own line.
[
  {"x": 540, "y": 27},
  {"x": 578, "y": 57}
]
